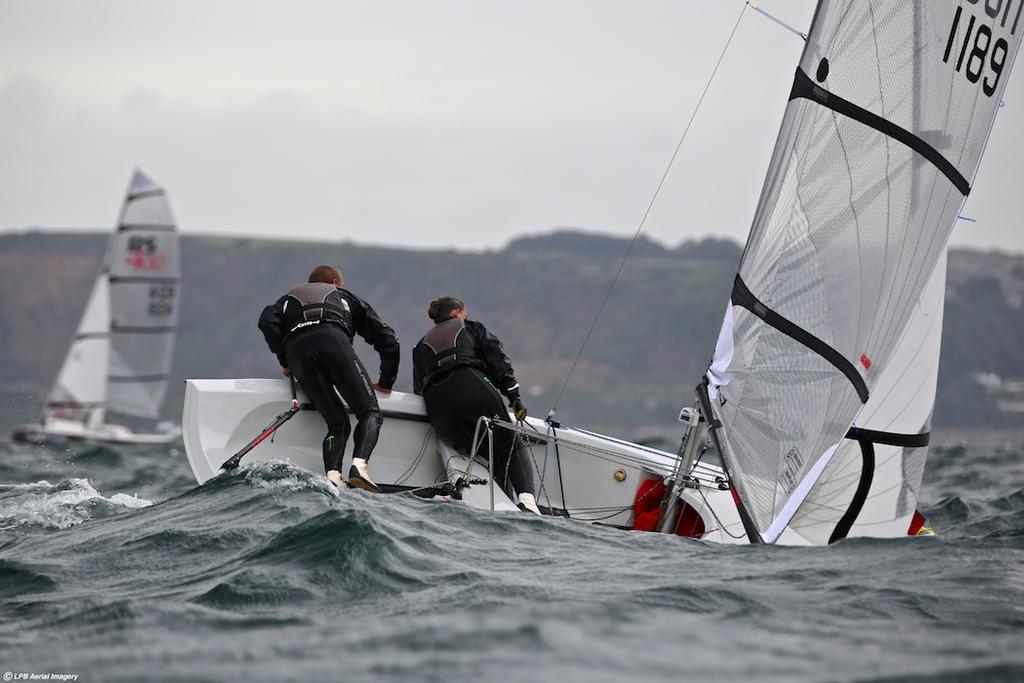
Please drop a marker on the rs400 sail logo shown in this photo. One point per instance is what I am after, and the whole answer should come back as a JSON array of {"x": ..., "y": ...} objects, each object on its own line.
[{"x": 143, "y": 254}]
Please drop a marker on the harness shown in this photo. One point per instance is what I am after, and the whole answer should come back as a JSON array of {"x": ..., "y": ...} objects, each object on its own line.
[
  {"x": 443, "y": 342},
  {"x": 317, "y": 317},
  {"x": 313, "y": 309}
]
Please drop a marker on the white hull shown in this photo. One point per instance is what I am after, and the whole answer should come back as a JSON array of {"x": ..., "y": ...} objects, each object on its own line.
[
  {"x": 55, "y": 430},
  {"x": 584, "y": 478},
  {"x": 222, "y": 416}
]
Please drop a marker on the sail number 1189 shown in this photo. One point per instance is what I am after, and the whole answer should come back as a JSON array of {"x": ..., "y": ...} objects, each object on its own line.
[{"x": 977, "y": 56}]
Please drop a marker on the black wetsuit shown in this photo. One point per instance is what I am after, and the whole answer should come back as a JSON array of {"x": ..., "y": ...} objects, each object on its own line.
[
  {"x": 459, "y": 368},
  {"x": 310, "y": 330}
]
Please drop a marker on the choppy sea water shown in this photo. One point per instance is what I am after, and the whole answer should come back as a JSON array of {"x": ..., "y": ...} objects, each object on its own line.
[{"x": 114, "y": 565}]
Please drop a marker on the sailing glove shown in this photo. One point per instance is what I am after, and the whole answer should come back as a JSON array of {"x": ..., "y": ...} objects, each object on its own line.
[{"x": 516, "y": 404}]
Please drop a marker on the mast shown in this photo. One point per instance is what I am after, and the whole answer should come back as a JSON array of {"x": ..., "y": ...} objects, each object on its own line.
[{"x": 715, "y": 429}]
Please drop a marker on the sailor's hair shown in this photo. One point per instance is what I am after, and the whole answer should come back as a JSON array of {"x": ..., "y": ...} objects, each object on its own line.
[
  {"x": 325, "y": 274},
  {"x": 441, "y": 308}
]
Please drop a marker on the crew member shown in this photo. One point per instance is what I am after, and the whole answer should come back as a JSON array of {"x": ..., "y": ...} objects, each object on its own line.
[
  {"x": 459, "y": 368},
  {"x": 310, "y": 330}
]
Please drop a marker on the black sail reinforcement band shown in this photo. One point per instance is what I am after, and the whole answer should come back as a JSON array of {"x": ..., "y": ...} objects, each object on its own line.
[
  {"x": 889, "y": 438},
  {"x": 804, "y": 87},
  {"x": 867, "y": 475},
  {"x": 157, "y": 192},
  {"x": 742, "y": 296},
  {"x": 867, "y": 438}
]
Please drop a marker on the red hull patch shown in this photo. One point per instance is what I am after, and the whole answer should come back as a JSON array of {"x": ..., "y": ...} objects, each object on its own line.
[{"x": 916, "y": 524}]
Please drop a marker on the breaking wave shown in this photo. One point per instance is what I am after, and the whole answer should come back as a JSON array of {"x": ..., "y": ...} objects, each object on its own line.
[{"x": 59, "y": 506}]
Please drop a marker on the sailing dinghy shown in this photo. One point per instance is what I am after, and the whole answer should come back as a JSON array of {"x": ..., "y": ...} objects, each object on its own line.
[
  {"x": 580, "y": 474},
  {"x": 120, "y": 356},
  {"x": 819, "y": 397}
]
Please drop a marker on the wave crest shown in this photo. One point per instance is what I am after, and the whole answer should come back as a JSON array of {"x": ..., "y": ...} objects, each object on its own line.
[{"x": 59, "y": 506}]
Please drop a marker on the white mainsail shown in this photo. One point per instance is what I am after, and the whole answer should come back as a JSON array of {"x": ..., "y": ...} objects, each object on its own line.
[
  {"x": 122, "y": 351},
  {"x": 887, "y": 121},
  {"x": 144, "y": 267}
]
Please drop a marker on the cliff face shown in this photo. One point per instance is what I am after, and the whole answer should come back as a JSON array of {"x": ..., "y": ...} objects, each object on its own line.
[{"x": 538, "y": 295}]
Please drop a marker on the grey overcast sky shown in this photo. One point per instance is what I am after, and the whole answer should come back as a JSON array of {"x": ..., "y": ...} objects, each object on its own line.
[{"x": 444, "y": 123}]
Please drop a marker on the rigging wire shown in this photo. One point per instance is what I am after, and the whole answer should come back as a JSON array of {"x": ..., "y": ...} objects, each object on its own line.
[
  {"x": 544, "y": 469},
  {"x": 608, "y": 511},
  {"x": 415, "y": 463},
  {"x": 640, "y": 227},
  {"x": 721, "y": 526},
  {"x": 607, "y": 454}
]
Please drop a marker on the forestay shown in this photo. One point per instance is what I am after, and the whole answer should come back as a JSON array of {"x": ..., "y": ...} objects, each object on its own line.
[
  {"x": 144, "y": 269},
  {"x": 889, "y": 113}
]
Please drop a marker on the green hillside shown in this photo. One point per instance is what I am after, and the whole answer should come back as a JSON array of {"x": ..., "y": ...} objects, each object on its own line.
[{"x": 538, "y": 294}]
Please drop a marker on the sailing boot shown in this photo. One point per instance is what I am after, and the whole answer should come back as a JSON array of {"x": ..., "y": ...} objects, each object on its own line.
[
  {"x": 335, "y": 478},
  {"x": 359, "y": 477},
  {"x": 527, "y": 503}
]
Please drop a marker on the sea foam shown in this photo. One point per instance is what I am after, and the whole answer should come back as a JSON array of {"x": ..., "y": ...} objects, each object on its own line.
[{"x": 59, "y": 506}]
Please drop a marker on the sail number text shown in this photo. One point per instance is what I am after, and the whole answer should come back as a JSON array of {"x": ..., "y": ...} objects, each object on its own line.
[
  {"x": 161, "y": 300},
  {"x": 977, "y": 56}
]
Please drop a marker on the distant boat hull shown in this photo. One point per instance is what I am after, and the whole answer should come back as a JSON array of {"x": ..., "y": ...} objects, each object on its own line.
[
  {"x": 590, "y": 478},
  {"x": 57, "y": 432}
]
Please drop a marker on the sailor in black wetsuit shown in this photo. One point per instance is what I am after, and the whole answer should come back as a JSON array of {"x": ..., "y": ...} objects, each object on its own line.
[
  {"x": 310, "y": 330},
  {"x": 459, "y": 368}
]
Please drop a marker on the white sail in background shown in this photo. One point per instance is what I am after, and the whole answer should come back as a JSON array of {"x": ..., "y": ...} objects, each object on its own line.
[
  {"x": 890, "y": 111},
  {"x": 144, "y": 268},
  {"x": 81, "y": 387},
  {"x": 121, "y": 354}
]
